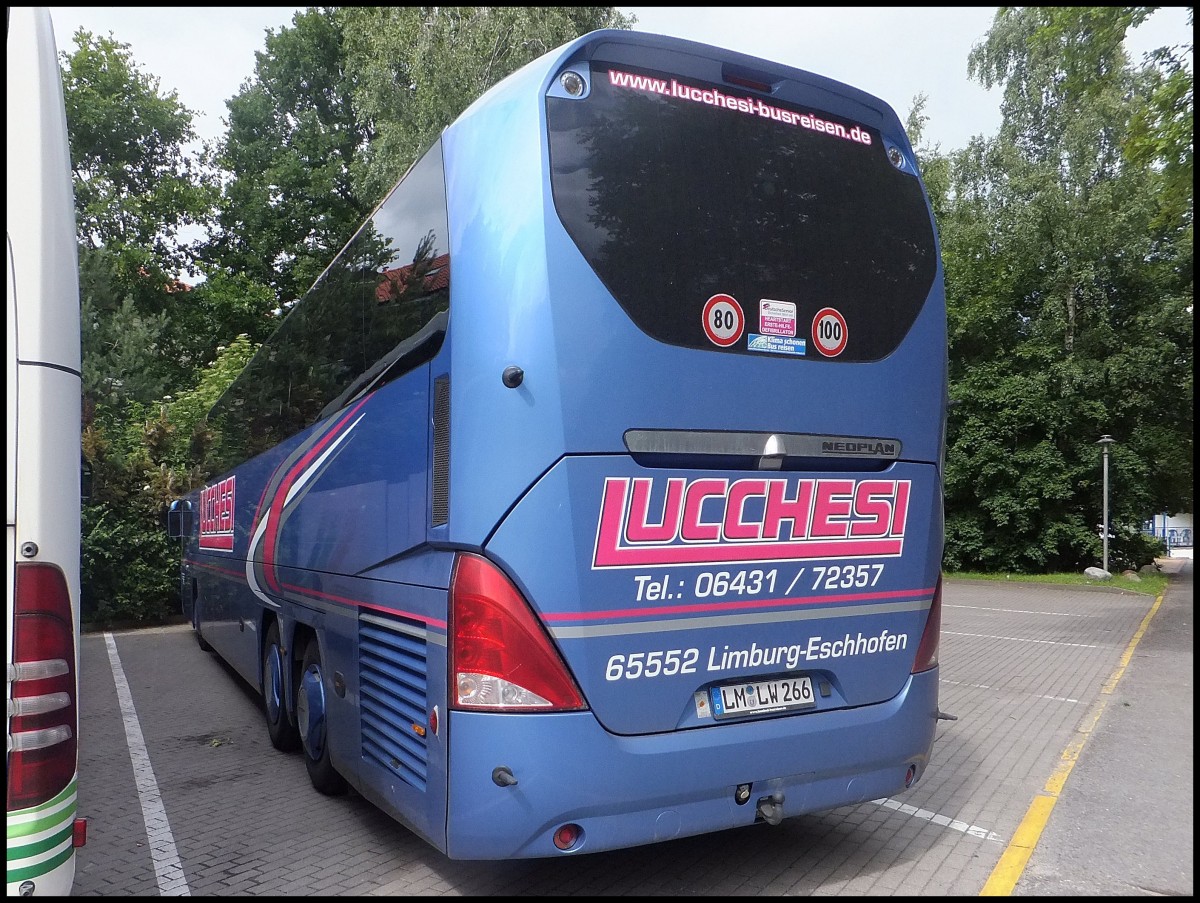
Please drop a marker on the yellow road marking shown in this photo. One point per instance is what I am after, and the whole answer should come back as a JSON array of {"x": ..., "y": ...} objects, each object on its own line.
[{"x": 1016, "y": 855}]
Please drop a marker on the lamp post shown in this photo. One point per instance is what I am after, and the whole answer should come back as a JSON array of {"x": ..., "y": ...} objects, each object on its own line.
[{"x": 1104, "y": 442}]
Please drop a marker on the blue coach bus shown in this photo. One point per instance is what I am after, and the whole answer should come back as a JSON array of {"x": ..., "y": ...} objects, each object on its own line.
[{"x": 592, "y": 496}]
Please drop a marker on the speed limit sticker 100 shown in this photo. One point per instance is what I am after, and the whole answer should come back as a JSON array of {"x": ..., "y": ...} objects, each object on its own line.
[
  {"x": 724, "y": 321},
  {"x": 829, "y": 331}
]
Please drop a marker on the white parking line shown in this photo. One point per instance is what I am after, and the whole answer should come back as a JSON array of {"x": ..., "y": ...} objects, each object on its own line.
[
  {"x": 1021, "y": 639},
  {"x": 167, "y": 868},
  {"x": 969, "y": 686},
  {"x": 1017, "y": 611},
  {"x": 944, "y": 820}
]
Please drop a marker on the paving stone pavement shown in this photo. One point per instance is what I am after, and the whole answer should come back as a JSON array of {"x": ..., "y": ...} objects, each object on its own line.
[{"x": 192, "y": 799}]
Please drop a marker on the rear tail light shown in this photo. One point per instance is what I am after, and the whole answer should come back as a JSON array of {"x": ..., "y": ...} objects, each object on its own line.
[
  {"x": 927, "y": 651},
  {"x": 43, "y": 747},
  {"x": 501, "y": 659}
]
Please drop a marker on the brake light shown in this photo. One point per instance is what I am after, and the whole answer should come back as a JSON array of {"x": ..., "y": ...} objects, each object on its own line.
[
  {"x": 927, "y": 651},
  {"x": 752, "y": 84},
  {"x": 42, "y": 721},
  {"x": 501, "y": 659}
]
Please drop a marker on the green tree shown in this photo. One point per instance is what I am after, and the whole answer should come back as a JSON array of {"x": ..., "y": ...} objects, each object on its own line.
[
  {"x": 1069, "y": 294},
  {"x": 415, "y": 68},
  {"x": 138, "y": 190},
  {"x": 182, "y": 438},
  {"x": 1161, "y": 135},
  {"x": 341, "y": 103},
  {"x": 293, "y": 138},
  {"x": 136, "y": 185}
]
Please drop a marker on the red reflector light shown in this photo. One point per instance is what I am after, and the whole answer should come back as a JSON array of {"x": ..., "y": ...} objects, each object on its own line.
[
  {"x": 79, "y": 832},
  {"x": 567, "y": 836},
  {"x": 927, "y": 651}
]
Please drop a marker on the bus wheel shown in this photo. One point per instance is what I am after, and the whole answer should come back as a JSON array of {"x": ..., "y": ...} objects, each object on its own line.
[
  {"x": 284, "y": 734},
  {"x": 200, "y": 641},
  {"x": 314, "y": 725}
]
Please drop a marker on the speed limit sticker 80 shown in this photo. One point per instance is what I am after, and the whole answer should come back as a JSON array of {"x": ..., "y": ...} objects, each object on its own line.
[
  {"x": 724, "y": 321},
  {"x": 829, "y": 331}
]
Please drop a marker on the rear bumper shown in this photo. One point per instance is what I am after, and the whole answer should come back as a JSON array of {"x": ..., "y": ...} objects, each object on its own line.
[{"x": 627, "y": 791}]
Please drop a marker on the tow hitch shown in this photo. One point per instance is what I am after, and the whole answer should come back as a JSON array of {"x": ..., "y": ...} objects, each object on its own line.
[{"x": 770, "y": 808}]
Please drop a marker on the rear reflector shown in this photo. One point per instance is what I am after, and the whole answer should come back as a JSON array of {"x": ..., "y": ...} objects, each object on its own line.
[
  {"x": 927, "y": 652},
  {"x": 567, "y": 836}
]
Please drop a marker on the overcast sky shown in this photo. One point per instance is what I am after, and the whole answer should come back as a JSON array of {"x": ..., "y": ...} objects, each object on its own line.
[{"x": 895, "y": 53}]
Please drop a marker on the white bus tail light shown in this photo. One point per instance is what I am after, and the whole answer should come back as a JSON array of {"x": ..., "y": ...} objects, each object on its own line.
[
  {"x": 501, "y": 660},
  {"x": 42, "y": 742}
]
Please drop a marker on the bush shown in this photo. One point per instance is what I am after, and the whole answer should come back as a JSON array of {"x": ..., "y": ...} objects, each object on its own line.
[
  {"x": 1129, "y": 549},
  {"x": 129, "y": 570}
]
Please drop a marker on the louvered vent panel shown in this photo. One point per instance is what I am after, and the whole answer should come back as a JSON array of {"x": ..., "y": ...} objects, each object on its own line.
[
  {"x": 441, "y": 450},
  {"x": 392, "y": 695}
]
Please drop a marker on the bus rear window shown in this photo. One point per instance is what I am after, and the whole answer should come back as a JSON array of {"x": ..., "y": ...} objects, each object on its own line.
[{"x": 677, "y": 191}]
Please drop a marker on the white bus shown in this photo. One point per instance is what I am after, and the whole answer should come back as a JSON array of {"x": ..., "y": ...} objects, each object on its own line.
[{"x": 42, "y": 496}]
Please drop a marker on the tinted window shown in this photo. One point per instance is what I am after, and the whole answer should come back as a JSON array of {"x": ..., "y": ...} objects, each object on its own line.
[
  {"x": 701, "y": 190},
  {"x": 375, "y": 312}
]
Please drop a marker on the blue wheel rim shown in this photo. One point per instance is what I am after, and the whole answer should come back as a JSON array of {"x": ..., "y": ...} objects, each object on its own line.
[
  {"x": 312, "y": 712},
  {"x": 273, "y": 694}
]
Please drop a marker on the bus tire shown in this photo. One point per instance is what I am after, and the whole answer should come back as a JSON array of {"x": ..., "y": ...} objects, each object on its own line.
[
  {"x": 284, "y": 734},
  {"x": 200, "y": 641},
  {"x": 312, "y": 718}
]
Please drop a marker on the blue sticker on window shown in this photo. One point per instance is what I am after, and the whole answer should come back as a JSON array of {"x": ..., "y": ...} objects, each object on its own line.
[{"x": 775, "y": 344}]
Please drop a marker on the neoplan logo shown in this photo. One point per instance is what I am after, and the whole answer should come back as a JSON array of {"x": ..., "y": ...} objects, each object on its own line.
[{"x": 870, "y": 448}]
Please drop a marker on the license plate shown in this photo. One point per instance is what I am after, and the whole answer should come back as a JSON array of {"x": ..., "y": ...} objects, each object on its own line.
[{"x": 761, "y": 696}]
